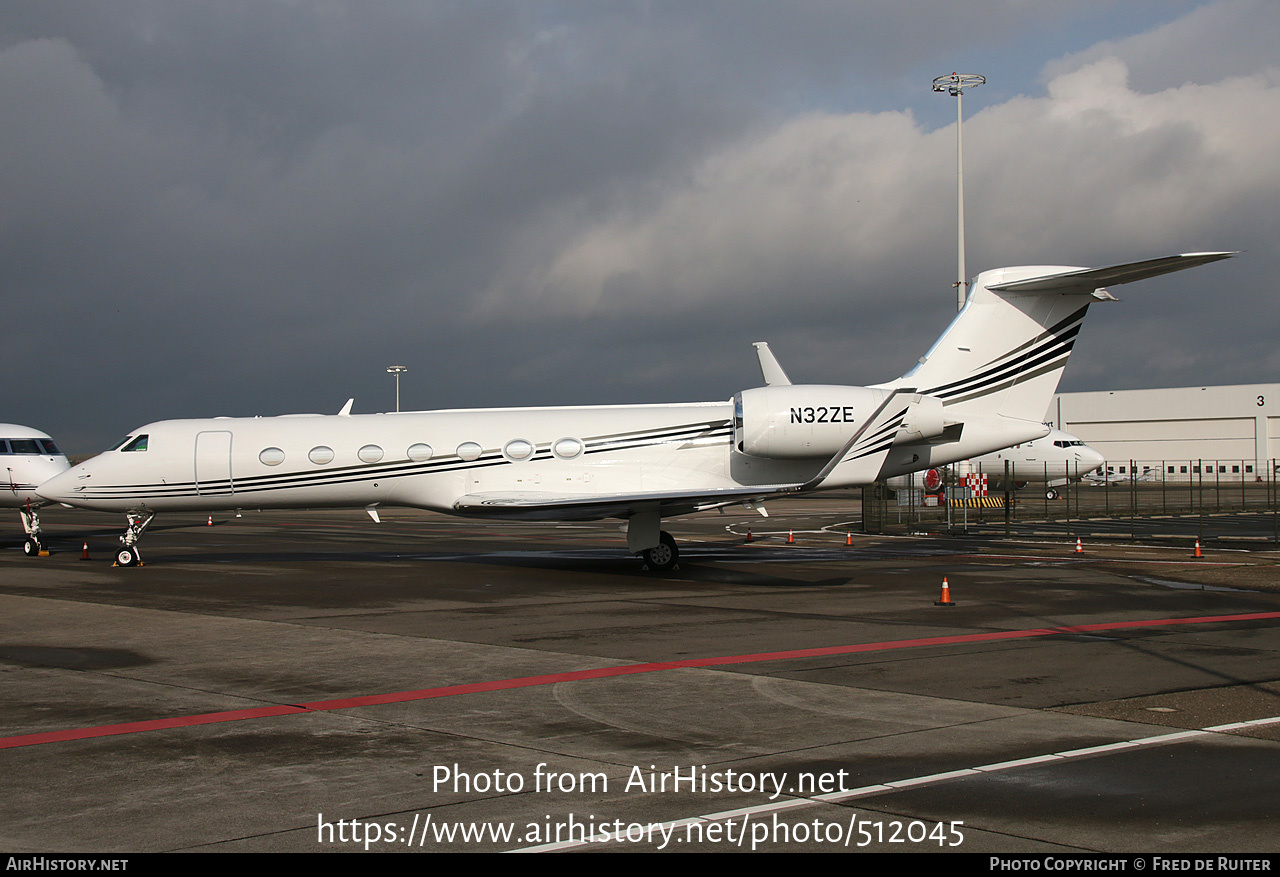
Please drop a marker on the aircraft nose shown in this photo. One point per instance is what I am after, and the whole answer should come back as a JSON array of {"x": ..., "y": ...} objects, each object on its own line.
[
  {"x": 1090, "y": 460},
  {"x": 59, "y": 488}
]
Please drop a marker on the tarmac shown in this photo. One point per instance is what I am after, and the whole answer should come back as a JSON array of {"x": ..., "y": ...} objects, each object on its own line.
[{"x": 310, "y": 681}]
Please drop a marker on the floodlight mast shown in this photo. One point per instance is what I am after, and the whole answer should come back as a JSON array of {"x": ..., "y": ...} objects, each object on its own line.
[
  {"x": 954, "y": 85},
  {"x": 397, "y": 370}
]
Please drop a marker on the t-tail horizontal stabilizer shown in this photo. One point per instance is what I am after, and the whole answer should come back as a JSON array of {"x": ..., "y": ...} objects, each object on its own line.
[
  {"x": 1089, "y": 279},
  {"x": 1004, "y": 354}
]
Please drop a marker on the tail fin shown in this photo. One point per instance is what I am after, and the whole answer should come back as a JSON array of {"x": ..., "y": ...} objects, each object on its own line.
[{"x": 1004, "y": 353}]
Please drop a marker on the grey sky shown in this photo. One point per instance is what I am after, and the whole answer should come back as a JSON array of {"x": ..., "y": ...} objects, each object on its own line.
[{"x": 255, "y": 207}]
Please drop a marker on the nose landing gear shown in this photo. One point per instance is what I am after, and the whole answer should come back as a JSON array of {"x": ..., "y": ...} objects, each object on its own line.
[
  {"x": 128, "y": 554},
  {"x": 33, "y": 546}
]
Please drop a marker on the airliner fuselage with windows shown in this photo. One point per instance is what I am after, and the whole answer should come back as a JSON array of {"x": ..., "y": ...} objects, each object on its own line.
[
  {"x": 983, "y": 386},
  {"x": 1052, "y": 461}
]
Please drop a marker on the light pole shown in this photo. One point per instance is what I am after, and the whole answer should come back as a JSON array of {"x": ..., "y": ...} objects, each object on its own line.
[
  {"x": 397, "y": 370},
  {"x": 954, "y": 85}
]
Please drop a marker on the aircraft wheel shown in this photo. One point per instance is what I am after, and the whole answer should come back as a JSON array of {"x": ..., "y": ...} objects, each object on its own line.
[
  {"x": 663, "y": 556},
  {"x": 127, "y": 556},
  {"x": 1051, "y": 494},
  {"x": 31, "y": 548}
]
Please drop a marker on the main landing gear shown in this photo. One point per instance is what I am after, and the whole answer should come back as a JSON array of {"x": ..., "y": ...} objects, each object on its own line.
[
  {"x": 645, "y": 538},
  {"x": 128, "y": 554},
  {"x": 33, "y": 545},
  {"x": 664, "y": 556}
]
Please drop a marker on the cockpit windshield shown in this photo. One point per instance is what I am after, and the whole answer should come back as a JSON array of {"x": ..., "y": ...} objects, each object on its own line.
[
  {"x": 138, "y": 444},
  {"x": 19, "y": 446}
]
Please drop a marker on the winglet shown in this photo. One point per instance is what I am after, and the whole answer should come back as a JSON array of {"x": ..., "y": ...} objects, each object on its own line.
[
  {"x": 346, "y": 409},
  {"x": 772, "y": 373}
]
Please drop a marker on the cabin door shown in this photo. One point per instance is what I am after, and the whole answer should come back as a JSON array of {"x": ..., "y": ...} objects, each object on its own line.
[{"x": 213, "y": 463}]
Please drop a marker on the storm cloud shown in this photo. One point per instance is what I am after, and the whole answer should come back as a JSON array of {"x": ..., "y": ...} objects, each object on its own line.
[{"x": 254, "y": 208}]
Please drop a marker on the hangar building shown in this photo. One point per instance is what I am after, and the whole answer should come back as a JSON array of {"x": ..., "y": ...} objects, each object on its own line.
[{"x": 1229, "y": 432}]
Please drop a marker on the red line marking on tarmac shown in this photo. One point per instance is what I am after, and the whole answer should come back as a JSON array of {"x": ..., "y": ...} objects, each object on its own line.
[{"x": 582, "y": 675}]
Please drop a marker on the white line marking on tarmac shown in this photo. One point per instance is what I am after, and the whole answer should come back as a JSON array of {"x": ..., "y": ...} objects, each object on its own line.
[{"x": 864, "y": 791}]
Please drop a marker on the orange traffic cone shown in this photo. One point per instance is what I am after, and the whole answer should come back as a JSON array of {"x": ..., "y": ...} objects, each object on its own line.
[
  {"x": 1079, "y": 547},
  {"x": 945, "y": 599},
  {"x": 748, "y": 534},
  {"x": 84, "y": 552},
  {"x": 1198, "y": 552},
  {"x": 791, "y": 537},
  {"x": 848, "y": 538}
]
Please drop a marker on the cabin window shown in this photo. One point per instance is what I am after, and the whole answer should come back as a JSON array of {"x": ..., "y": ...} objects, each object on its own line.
[
  {"x": 419, "y": 453},
  {"x": 138, "y": 444},
  {"x": 567, "y": 448},
  {"x": 518, "y": 449},
  {"x": 271, "y": 456},
  {"x": 320, "y": 455},
  {"x": 469, "y": 451},
  {"x": 369, "y": 454}
]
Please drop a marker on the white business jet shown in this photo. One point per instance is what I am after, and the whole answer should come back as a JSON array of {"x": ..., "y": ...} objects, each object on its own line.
[
  {"x": 984, "y": 385},
  {"x": 28, "y": 458},
  {"x": 1111, "y": 477}
]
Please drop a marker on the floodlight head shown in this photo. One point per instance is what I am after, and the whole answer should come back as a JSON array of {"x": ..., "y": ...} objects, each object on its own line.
[{"x": 956, "y": 83}]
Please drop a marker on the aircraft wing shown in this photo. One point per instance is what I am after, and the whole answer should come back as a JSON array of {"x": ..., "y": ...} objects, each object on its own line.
[
  {"x": 1089, "y": 279},
  {"x": 534, "y": 505}
]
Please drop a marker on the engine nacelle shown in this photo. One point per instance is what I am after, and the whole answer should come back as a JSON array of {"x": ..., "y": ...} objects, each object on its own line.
[
  {"x": 800, "y": 421},
  {"x": 924, "y": 420}
]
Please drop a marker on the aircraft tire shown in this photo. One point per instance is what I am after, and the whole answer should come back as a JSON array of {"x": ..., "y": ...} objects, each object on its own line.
[
  {"x": 127, "y": 556},
  {"x": 664, "y": 556},
  {"x": 31, "y": 548},
  {"x": 1051, "y": 494}
]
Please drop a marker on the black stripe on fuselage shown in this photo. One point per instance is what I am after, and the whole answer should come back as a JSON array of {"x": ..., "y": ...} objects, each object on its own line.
[{"x": 402, "y": 468}]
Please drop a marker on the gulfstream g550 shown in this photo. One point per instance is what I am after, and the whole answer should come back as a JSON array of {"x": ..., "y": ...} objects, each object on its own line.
[{"x": 984, "y": 385}]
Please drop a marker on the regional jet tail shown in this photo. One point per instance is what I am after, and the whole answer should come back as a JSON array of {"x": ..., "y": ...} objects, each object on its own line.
[
  {"x": 983, "y": 386},
  {"x": 29, "y": 458}
]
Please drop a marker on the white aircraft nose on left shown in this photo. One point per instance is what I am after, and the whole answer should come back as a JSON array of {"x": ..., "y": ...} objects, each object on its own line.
[{"x": 28, "y": 459}]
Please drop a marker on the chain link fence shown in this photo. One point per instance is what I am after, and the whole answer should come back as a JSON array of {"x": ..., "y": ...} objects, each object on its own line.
[{"x": 959, "y": 497}]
